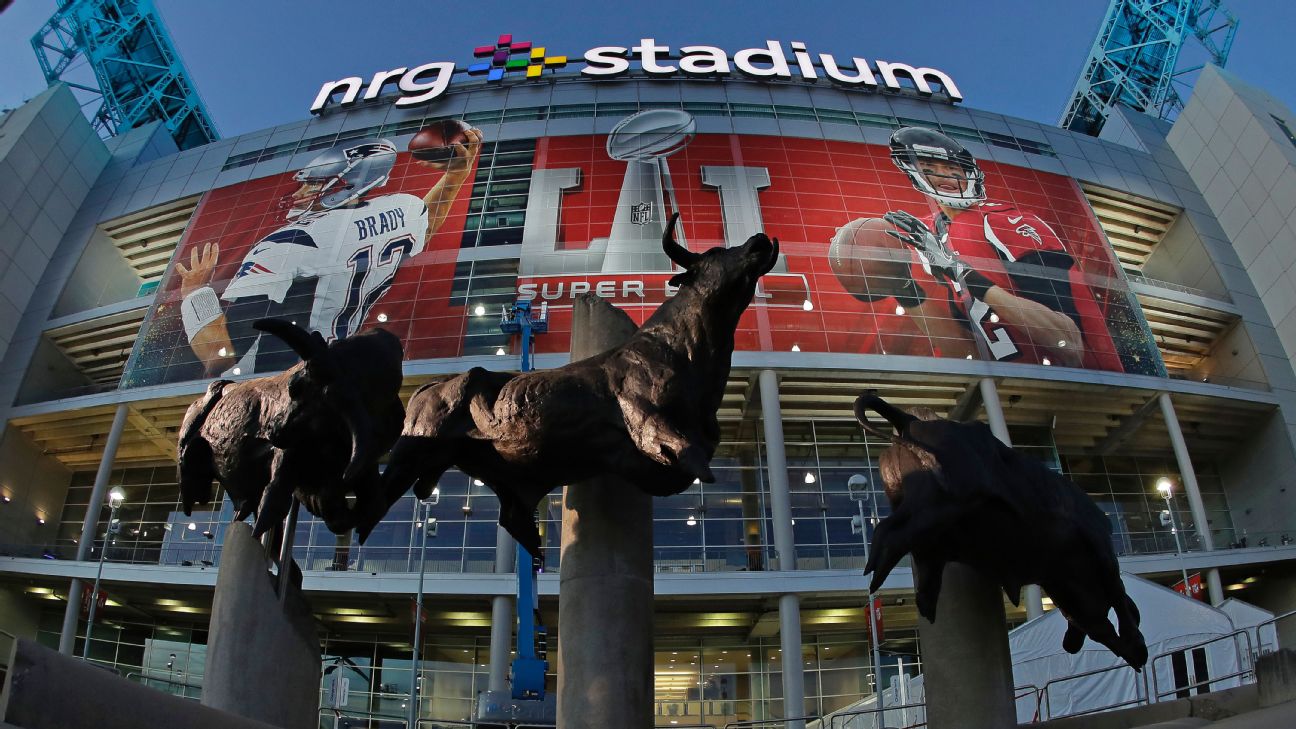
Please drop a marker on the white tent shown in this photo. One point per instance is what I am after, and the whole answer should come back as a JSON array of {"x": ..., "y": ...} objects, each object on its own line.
[
  {"x": 1170, "y": 623},
  {"x": 1248, "y": 617}
]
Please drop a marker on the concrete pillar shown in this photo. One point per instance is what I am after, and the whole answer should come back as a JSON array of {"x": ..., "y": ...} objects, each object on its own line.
[
  {"x": 784, "y": 544},
  {"x": 793, "y": 670},
  {"x": 67, "y": 638},
  {"x": 48, "y": 690},
  {"x": 967, "y": 664},
  {"x": 1192, "y": 491},
  {"x": 1032, "y": 595},
  {"x": 263, "y": 656},
  {"x": 605, "y": 606},
  {"x": 994, "y": 411},
  {"x": 776, "y": 471},
  {"x": 502, "y": 615}
]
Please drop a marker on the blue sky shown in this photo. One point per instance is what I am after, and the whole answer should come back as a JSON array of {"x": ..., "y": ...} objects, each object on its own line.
[{"x": 260, "y": 62}]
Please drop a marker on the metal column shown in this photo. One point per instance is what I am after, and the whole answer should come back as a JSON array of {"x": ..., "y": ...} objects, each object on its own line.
[
  {"x": 1032, "y": 596},
  {"x": 994, "y": 412},
  {"x": 776, "y": 470},
  {"x": 501, "y": 637},
  {"x": 793, "y": 668},
  {"x": 784, "y": 546},
  {"x": 1195, "y": 504},
  {"x": 67, "y": 639}
]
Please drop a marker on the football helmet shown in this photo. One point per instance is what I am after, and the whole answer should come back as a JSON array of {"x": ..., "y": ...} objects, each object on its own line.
[
  {"x": 344, "y": 173},
  {"x": 911, "y": 145}
]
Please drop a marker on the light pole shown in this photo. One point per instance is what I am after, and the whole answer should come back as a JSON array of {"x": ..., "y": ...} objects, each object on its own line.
[
  {"x": 423, "y": 512},
  {"x": 857, "y": 486},
  {"x": 115, "y": 498},
  {"x": 1166, "y": 488}
]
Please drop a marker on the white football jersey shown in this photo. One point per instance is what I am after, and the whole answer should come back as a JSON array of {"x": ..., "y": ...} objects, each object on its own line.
[{"x": 352, "y": 253}]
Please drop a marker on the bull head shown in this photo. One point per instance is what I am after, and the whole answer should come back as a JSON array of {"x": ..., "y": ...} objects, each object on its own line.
[
  {"x": 759, "y": 249},
  {"x": 311, "y": 391}
]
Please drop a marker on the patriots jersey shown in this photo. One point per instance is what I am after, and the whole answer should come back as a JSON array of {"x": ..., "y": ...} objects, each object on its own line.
[
  {"x": 1008, "y": 246},
  {"x": 325, "y": 270}
]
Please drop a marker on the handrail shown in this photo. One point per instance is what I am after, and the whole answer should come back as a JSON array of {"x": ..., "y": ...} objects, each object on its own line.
[
  {"x": 1274, "y": 622},
  {"x": 1244, "y": 632},
  {"x": 444, "y": 722},
  {"x": 765, "y": 722},
  {"x": 1032, "y": 689},
  {"x": 357, "y": 714},
  {"x": 1162, "y": 283},
  {"x": 1140, "y": 697},
  {"x": 832, "y": 718},
  {"x": 173, "y": 682},
  {"x": 4, "y": 655}
]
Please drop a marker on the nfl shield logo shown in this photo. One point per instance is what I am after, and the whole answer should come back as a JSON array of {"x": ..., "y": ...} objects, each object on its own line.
[{"x": 641, "y": 213}]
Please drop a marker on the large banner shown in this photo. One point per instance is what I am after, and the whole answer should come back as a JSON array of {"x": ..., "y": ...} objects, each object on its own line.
[{"x": 914, "y": 249}]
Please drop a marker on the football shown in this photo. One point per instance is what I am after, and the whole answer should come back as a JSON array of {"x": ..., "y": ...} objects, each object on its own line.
[
  {"x": 870, "y": 264},
  {"x": 435, "y": 142},
  {"x": 651, "y": 133}
]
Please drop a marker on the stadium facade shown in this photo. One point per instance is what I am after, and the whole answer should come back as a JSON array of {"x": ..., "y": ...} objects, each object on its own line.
[{"x": 1123, "y": 309}]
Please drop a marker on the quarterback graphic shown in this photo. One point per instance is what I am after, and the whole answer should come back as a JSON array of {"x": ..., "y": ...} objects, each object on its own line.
[
  {"x": 331, "y": 260},
  {"x": 999, "y": 270}
]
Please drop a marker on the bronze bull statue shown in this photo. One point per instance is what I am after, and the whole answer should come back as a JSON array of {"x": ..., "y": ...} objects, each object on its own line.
[
  {"x": 958, "y": 494},
  {"x": 315, "y": 431},
  {"x": 644, "y": 411}
]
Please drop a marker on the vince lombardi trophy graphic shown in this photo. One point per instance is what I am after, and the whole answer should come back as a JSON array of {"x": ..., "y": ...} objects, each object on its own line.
[{"x": 643, "y": 141}]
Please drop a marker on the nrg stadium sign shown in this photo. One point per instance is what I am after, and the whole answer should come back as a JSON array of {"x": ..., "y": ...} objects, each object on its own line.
[{"x": 421, "y": 84}]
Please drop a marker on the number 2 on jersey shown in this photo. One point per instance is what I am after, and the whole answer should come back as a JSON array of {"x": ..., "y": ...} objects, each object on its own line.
[
  {"x": 363, "y": 291},
  {"x": 995, "y": 337}
]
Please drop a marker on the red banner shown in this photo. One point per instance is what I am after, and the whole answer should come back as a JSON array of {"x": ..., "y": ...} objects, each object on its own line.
[
  {"x": 1195, "y": 588},
  {"x": 1011, "y": 266},
  {"x": 101, "y": 599}
]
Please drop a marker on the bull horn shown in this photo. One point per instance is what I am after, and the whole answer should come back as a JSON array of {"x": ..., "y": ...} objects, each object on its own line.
[
  {"x": 306, "y": 344},
  {"x": 870, "y": 401},
  {"x": 361, "y": 427},
  {"x": 674, "y": 251}
]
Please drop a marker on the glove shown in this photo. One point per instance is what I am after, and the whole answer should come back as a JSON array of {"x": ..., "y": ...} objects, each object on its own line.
[{"x": 933, "y": 247}]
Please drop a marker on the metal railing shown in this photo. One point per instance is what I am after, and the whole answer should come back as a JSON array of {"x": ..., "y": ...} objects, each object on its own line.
[
  {"x": 1136, "y": 277},
  {"x": 1140, "y": 697},
  {"x": 1259, "y": 647},
  {"x": 1245, "y": 665},
  {"x": 337, "y": 715},
  {"x": 754, "y": 723},
  {"x": 480, "y": 560},
  {"x": 6, "y": 651},
  {"x": 145, "y": 679},
  {"x": 1028, "y": 689},
  {"x": 847, "y": 719}
]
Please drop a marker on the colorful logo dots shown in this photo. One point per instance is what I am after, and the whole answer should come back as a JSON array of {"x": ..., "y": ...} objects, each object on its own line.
[{"x": 535, "y": 61}]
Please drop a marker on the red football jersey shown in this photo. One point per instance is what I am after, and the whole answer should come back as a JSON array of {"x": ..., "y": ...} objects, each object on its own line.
[{"x": 991, "y": 234}]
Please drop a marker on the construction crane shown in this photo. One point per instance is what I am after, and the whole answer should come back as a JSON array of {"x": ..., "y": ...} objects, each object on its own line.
[
  {"x": 1135, "y": 60},
  {"x": 138, "y": 75}
]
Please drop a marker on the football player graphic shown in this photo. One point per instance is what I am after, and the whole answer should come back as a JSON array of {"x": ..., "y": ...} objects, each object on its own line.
[
  {"x": 1003, "y": 273},
  {"x": 327, "y": 265}
]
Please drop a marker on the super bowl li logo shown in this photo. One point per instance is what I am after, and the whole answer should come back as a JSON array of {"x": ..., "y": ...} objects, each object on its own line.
[{"x": 629, "y": 266}]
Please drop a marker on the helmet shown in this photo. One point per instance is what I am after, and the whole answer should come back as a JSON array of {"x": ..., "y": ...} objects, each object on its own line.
[
  {"x": 912, "y": 144},
  {"x": 344, "y": 173}
]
